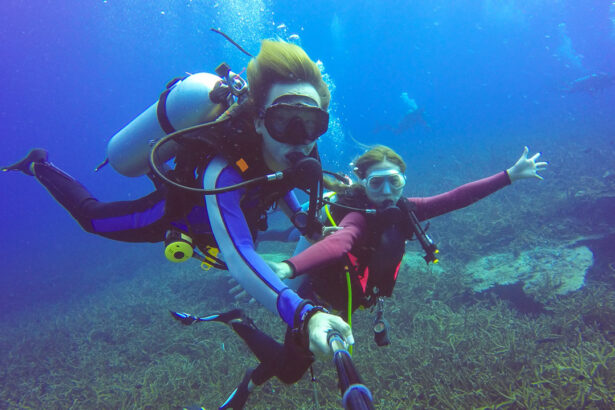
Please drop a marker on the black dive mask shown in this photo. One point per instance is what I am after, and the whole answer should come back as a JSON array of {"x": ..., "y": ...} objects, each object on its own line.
[{"x": 295, "y": 124}]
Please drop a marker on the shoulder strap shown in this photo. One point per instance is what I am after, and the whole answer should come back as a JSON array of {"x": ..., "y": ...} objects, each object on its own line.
[{"x": 161, "y": 109}]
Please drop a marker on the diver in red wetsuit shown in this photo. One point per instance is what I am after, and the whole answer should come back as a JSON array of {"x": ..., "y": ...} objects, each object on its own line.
[{"x": 372, "y": 244}]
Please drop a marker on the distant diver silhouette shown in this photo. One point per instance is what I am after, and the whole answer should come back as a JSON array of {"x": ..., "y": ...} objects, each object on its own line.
[
  {"x": 413, "y": 118},
  {"x": 591, "y": 83}
]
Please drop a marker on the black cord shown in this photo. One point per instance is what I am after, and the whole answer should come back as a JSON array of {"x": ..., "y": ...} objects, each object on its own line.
[{"x": 232, "y": 42}]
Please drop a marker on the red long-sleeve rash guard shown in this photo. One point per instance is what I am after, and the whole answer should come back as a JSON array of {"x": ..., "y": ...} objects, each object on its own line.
[{"x": 339, "y": 243}]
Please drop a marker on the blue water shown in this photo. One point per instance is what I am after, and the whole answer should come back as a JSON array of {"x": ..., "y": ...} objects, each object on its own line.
[{"x": 489, "y": 74}]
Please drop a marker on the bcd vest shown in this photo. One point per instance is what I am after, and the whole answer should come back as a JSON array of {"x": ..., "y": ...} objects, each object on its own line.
[{"x": 372, "y": 264}]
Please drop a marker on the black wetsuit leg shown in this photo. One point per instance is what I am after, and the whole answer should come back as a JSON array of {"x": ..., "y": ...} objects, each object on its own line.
[
  {"x": 295, "y": 360},
  {"x": 288, "y": 361},
  {"x": 141, "y": 220}
]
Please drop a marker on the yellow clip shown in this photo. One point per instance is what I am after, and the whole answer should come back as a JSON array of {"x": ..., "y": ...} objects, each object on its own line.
[{"x": 210, "y": 252}]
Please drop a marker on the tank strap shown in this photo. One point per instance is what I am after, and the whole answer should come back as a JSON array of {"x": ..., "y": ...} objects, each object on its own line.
[{"x": 161, "y": 109}]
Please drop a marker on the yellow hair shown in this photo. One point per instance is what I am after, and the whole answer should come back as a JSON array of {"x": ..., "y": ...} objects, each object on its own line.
[{"x": 281, "y": 62}]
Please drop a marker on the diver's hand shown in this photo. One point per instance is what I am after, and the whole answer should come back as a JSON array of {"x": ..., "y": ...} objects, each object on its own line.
[
  {"x": 526, "y": 167},
  {"x": 282, "y": 269},
  {"x": 318, "y": 330}
]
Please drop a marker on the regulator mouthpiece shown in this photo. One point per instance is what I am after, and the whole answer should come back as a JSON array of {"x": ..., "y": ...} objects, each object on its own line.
[{"x": 305, "y": 172}]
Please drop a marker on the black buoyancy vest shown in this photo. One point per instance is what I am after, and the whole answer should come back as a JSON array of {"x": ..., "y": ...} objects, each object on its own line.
[
  {"x": 237, "y": 141},
  {"x": 373, "y": 264},
  {"x": 385, "y": 249}
]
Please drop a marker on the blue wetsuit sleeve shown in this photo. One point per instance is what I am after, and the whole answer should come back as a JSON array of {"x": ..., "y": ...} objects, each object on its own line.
[{"x": 234, "y": 240}]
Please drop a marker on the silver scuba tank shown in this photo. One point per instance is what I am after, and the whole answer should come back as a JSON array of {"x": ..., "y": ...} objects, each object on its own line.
[{"x": 185, "y": 103}]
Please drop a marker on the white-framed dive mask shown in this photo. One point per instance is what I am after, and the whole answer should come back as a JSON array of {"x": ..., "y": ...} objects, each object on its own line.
[{"x": 376, "y": 180}]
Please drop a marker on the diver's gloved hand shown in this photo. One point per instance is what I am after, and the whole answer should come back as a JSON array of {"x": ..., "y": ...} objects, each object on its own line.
[
  {"x": 239, "y": 293},
  {"x": 318, "y": 331},
  {"x": 526, "y": 167},
  {"x": 282, "y": 269}
]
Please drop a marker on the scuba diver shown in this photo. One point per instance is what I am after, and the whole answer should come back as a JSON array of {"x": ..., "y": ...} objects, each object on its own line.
[
  {"x": 375, "y": 221},
  {"x": 591, "y": 83},
  {"x": 357, "y": 265},
  {"x": 414, "y": 117},
  {"x": 251, "y": 145}
]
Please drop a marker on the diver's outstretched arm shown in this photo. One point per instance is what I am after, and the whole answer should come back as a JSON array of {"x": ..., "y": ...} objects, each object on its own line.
[{"x": 472, "y": 192}]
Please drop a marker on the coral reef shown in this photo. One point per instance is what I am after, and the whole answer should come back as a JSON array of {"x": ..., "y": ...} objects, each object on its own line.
[{"x": 544, "y": 271}]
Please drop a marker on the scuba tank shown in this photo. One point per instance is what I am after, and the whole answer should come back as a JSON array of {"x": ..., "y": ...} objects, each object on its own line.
[
  {"x": 185, "y": 102},
  {"x": 187, "y": 110}
]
